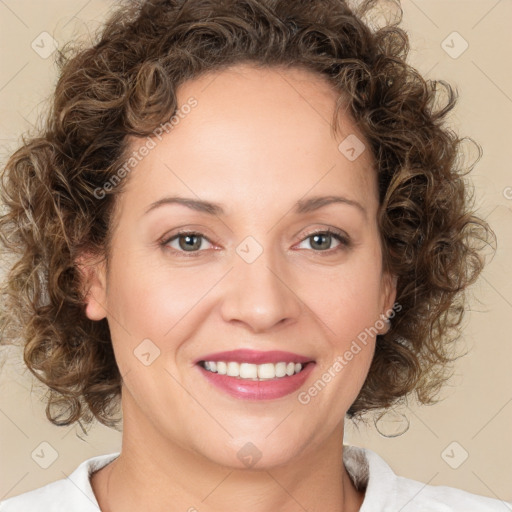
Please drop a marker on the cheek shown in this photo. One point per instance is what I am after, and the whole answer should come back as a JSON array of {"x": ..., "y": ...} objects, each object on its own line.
[
  {"x": 346, "y": 300},
  {"x": 151, "y": 300},
  {"x": 157, "y": 303}
]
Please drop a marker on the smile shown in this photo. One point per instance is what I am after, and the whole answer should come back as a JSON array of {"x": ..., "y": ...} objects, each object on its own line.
[
  {"x": 255, "y": 388},
  {"x": 251, "y": 371}
]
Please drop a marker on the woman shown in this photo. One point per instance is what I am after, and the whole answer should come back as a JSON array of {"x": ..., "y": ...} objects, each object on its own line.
[{"x": 245, "y": 221}]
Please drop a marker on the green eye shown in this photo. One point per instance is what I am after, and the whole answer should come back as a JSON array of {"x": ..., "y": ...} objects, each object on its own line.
[
  {"x": 188, "y": 242},
  {"x": 324, "y": 238}
]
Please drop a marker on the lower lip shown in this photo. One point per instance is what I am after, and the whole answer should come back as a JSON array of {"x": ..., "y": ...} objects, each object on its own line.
[{"x": 258, "y": 389}]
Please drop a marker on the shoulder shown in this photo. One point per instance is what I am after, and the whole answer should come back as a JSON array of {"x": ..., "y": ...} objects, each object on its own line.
[
  {"x": 389, "y": 492},
  {"x": 420, "y": 497},
  {"x": 73, "y": 493}
]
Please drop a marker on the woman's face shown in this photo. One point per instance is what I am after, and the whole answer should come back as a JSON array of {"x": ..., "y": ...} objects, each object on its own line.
[{"x": 254, "y": 277}]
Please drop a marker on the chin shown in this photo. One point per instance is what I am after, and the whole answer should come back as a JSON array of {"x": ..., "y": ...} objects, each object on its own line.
[{"x": 257, "y": 453}]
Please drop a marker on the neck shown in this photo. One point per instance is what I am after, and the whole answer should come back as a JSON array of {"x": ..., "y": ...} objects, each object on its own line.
[{"x": 153, "y": 474}]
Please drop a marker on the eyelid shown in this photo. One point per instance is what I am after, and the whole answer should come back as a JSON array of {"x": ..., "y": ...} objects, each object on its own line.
[
  {"x": 342, "y": 237},
  {"x": 329, "y": 230},
  {"x": 168, "y": 238}
]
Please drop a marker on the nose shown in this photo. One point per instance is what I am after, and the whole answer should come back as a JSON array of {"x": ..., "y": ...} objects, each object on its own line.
[{"x": 260, "y": 294}]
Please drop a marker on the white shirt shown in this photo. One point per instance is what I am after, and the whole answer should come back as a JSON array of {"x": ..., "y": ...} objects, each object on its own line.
[{"x": 385, "y": 491}]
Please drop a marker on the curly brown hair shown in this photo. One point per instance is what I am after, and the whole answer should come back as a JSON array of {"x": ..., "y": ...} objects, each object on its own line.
[{"x": 124, "y": 86}]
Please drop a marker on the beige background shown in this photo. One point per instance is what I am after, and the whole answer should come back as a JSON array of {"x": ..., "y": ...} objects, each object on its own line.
[{"x": 476, "y": 413}]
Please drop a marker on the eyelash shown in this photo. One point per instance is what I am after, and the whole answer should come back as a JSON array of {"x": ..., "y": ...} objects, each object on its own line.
[{"x": 342, "y": 238}]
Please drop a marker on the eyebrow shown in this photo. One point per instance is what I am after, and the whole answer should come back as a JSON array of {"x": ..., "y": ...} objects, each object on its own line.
[{"x": 302, "y": 206}]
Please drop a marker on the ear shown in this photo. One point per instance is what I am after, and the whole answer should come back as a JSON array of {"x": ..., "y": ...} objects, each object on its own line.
[
  {"x": 389, "y": 285},
  {"x": 92, "y": 272}
]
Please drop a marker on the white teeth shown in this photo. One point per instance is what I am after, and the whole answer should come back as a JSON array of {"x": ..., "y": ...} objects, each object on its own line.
[
  {"x": 248, "y": 371},
  {"x": 266, "y": 371},
  {"x": 253, "y": 371},
  {"x": 233, "y": 369},
  {"x": 280, "y": 369}
]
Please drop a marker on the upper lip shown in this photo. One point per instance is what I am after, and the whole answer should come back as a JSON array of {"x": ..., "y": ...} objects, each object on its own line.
[{"x": 255, "y": 357}]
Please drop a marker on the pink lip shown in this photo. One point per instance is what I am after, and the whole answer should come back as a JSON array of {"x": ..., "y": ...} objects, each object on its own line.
[
  {"x": 258, "y": 390},
  {"x": 255, "y": 357}
]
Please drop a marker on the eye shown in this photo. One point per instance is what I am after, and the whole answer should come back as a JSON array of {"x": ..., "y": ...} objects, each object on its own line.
[
  {"x": 321, "y": 240},
  {"x": 187, "y": 242}
]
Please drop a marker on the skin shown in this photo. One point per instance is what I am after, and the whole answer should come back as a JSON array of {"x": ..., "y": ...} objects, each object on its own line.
[{"x": 258, "y": 141}]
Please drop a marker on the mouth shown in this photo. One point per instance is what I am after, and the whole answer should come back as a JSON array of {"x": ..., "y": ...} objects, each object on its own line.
[
  {"x": 254, "y": 372},
  {"x": 251, "y": 375}
]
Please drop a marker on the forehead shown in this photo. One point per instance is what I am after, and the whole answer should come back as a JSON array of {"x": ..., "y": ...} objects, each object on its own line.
[{"x": 260, "y": 134}]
